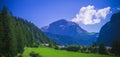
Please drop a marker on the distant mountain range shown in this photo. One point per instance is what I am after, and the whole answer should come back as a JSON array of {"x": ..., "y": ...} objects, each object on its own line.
[
  {"x": 66, "y": 32},
  {"x": 110, "y": 31}
]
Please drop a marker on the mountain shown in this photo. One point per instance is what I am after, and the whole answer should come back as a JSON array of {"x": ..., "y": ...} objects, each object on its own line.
[
  {"x": 63, "y": 27},
  {"x": 67, "y": 33},
  {"x": 110, "y": 31}
]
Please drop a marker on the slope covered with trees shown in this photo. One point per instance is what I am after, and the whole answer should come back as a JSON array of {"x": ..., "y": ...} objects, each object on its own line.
[
  {"x": 16, "y": 33},
  {"x": 110, "y": 34},
  {"x": 110, "y": 31}
]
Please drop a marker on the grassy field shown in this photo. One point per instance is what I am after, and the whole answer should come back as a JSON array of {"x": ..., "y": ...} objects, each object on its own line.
[{"x": 49, "y": 52}]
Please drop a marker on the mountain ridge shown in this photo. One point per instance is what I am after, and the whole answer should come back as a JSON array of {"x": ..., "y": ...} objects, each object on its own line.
[{"x": 70, "y": 29}]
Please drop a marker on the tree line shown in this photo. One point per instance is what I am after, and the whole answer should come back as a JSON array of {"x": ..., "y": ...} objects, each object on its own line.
[{"x": 95, "y": 49}]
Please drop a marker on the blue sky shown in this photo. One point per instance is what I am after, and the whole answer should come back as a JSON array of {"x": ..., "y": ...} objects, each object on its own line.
[{"x": 44, "y": 12}]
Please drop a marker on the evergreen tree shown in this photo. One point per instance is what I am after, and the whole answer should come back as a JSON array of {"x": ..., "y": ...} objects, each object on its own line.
[
  {"x": 8, "y": 40},
  {"x": 116, "y": 47},
  {"x": 102, "y": 49},
  {"x": 94, "y": 48}
]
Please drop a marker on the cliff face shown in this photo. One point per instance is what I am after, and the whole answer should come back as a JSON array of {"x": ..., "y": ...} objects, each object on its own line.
[{"x": 110, "y": 31}]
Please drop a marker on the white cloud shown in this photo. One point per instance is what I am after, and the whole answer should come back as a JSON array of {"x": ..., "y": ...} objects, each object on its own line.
[{"x": 88, "y": 15}]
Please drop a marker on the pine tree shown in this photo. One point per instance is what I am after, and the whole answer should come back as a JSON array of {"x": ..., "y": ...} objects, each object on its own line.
[
  {"x": 102, "y": 49},
  {"x": 8, "y": 40},
  {"x": 94, "y": 48},
  {"x": 116, "y": 47}
]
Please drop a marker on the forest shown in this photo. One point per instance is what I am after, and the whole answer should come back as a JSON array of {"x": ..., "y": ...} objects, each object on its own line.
[{"x": 17, "y": 33}]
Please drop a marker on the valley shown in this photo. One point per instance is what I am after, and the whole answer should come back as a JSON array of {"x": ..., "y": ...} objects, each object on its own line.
[
  {"x": 59, "y": 28},
  {"x": 49, "y": 52}
]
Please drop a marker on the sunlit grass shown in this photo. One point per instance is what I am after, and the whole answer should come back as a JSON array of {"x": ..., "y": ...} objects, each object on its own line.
[{"x": 49, "y": 52}]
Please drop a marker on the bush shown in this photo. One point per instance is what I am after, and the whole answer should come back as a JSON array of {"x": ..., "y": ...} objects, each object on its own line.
[
  {"x": 35, "y": 45},
  {"x": 56, "y": 47},
  {"x": 19, "y": 55},
  {"x": 73, "y": 48},
  {"x": 33, "y": 54}
]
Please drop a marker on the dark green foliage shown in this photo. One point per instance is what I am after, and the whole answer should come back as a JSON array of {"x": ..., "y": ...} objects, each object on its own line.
[
  {"x": 7, "y": 34},
  {"x": 102, "y": 49},
  {"x": 94, "y": 48},
  {"x": 73, "y": 48},
  {"x": 35, "y": 45},
  {"x": 56, "y": 47},
  {"x": 83, "y": 49},
  {"x": 16, "y": 33},
  {"x": 116, "y": 47},
  {"x": 33, "y": 54},
  {"x": 19, "y": 55}
]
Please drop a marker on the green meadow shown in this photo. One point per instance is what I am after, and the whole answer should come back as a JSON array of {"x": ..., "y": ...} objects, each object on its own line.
[{"x": 49, "y": 52}]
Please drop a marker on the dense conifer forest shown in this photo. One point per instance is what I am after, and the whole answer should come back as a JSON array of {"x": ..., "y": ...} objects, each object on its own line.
[{"x": 17, "y": 33}]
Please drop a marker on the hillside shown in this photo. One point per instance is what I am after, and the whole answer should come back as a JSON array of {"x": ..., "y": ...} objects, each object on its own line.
[
  {"x": 110, "y": 32},
  {"x": 16, "y": 33}
]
